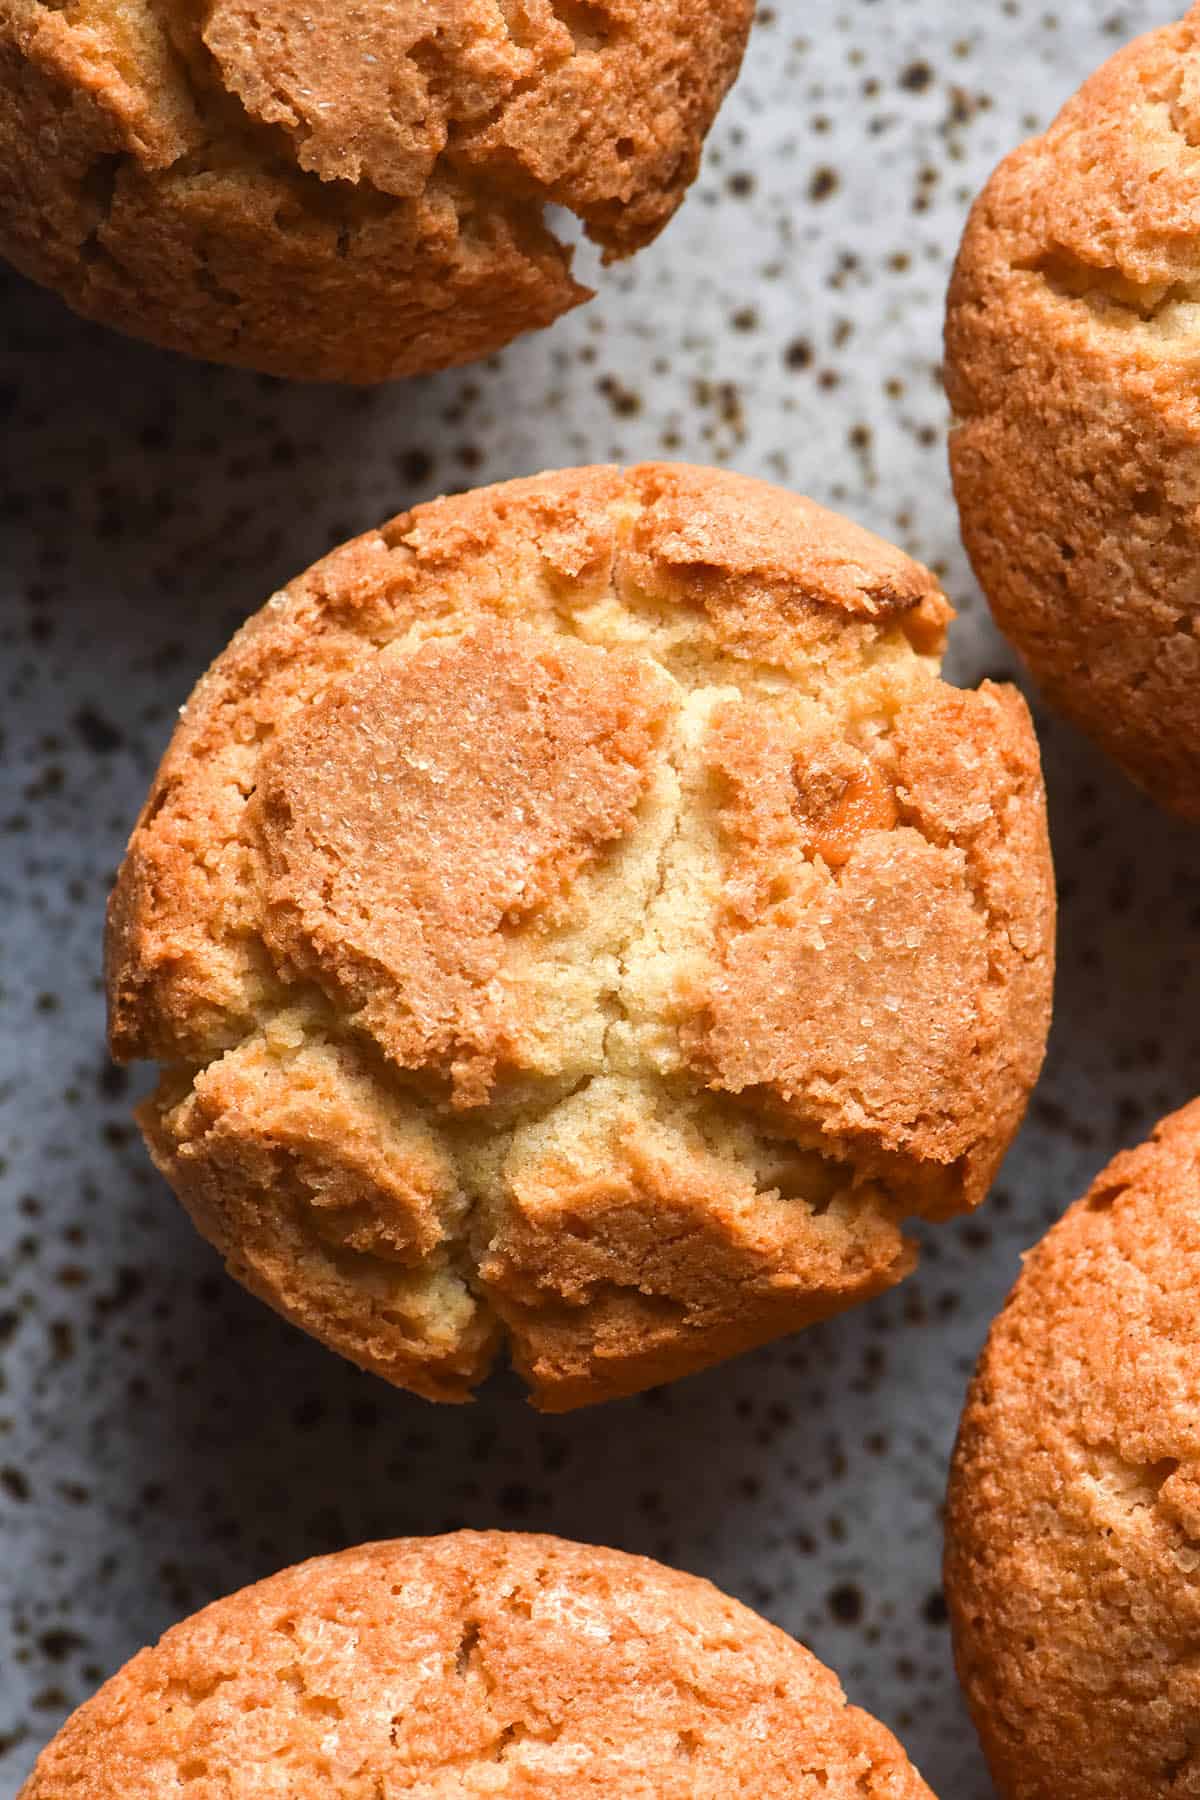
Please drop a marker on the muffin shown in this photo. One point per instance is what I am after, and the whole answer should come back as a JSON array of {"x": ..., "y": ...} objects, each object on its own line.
[
  {"x": 480, "y": 1663},
  {"x": 1074, "y": 1510},
  {"x": 337, "y": 195},
  {"x": 577, "y": 916},
  {"x": 1071, "y": 358}
]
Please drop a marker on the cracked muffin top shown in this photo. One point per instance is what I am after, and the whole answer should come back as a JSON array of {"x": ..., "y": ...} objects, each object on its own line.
[
  {"x": 1072, "y": 333},
  {"x": 577, "y": 914},
  {"x": 480, "y": 1663},
  {"x": 1073, "y": 1526},
  {"x": 340, "y": 193}
]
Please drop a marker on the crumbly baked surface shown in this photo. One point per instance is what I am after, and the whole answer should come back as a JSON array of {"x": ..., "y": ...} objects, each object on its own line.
[
  {"x": 577, "y": 914},
  {"x": 481, "y": 1663},
  {"x": 345, "y": 194},
  {"x": 1071, "y": 354},
  {"x": 1074, "y": 1509}
]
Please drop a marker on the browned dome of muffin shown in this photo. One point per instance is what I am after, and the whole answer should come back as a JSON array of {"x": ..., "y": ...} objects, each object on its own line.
[
  {"x": 481, "y": 1663},
  {"x": 578, "y": 914},
  {"x": 1073, "y": 1548},
  {"x": 1072, "y": 337},
  {"x": 349, "y": 193}
]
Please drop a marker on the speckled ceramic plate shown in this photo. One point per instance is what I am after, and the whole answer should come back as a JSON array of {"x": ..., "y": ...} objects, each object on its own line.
[{"x": 163, "y": 1438}]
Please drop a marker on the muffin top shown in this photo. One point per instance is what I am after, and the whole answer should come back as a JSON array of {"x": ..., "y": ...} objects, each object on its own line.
[
  {"x": 1072, "y": 328},
  {"x": 584, "y": 896},
  {"x": 1074, "y": 1508},
  {"x": 480, "y": 1663},
  {"x": 1102, "y": 206},
  {"x": 392, "y": 161}
]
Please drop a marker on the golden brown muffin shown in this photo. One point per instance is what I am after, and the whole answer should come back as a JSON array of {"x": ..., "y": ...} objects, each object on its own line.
[
  {"x": 1072, "y": 351},
  {"x": 1073, "y": 1544},
  {"x": 577, "y": 913},
  {"x": 345, "y": 194},
  {"x": 481, "y": 1663}
]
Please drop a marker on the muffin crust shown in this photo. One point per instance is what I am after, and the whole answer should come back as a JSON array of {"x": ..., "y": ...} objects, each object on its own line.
[
  {"x": 480, "y": 1663},
  {"x": 1073, "y": 1527},
  {"x": 578, "y": 913},
  {"x": 344, "y": 195},
  {"x": 1072, "y": 335}
]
